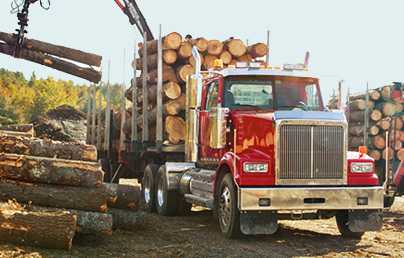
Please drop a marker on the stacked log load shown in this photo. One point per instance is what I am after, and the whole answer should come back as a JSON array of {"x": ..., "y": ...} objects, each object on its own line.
[
  {"x": 385, "y": 114},
  {"x": 178, "y": 64},
  {"x": 61, "y": 191}
]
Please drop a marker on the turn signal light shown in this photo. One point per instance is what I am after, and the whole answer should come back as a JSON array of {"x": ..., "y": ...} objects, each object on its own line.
[{"x": 218, "y": 64}]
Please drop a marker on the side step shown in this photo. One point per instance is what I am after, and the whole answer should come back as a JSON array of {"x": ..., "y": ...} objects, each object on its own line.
[{"x": 197, "y": 200}]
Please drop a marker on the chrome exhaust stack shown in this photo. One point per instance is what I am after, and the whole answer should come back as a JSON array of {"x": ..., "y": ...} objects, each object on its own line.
[{"x": 193, "y": 104}]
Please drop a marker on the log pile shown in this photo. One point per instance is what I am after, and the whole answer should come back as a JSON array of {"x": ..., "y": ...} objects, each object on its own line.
[
  {"x": 57, "y": 57},
  {"x": 61, "y": 191},
  {"x": 385, "y": 114},
  {"x": 178, "y": 64},
  {"x": 64, "y": 123}
]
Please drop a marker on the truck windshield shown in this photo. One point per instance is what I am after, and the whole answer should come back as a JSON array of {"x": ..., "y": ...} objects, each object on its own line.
[
  {"x": 297, "y": 94},
  {"x": 248, "y": 94},
  {"x": 278, "y": 94}
]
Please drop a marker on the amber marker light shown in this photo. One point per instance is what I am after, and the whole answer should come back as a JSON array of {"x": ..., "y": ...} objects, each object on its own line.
[{"x": 363, "y": 150}]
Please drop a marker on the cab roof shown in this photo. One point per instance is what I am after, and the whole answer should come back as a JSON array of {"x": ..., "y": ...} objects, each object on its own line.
[{"x": 226, "y": 72}]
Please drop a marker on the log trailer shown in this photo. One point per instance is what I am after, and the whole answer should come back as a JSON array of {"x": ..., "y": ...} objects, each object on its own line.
[{"x": 260, "y": 147}]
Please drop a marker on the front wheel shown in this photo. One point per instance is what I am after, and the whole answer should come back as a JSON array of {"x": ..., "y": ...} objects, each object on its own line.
[
  {"x": 227, "y": 212},
  {"x": 342, "y": 219}
]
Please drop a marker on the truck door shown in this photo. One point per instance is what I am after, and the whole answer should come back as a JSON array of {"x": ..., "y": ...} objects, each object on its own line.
[{"x": 210, "y": 102}]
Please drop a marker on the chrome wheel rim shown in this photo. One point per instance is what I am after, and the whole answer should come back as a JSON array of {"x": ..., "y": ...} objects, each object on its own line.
[
  {"x": 147, "y": 191},
  {"x": 160, "y": 198},
  {"x": 225, "y": 206}
]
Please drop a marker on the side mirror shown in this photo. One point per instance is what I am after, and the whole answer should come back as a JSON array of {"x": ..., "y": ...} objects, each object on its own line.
[{"x": 217, "y": 128}]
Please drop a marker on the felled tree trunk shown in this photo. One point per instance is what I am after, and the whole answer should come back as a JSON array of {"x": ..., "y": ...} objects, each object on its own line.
[
  {"x": 171, "y": 41},
  {"x": 16, "y": 134},
  {"x": 356, "y": 130},
  {"x": 175, "y": 128},
  {"x": 128, "y": 196},
  {"x": 355, "y": 142},
  {"x": 400, "y": 154},
  {"x": 184, "y": 71},
  {"x": 388, "y": 108},
  {"x": 185, "y": 50},
  {"x": 209, "y": 61},
  {"x": 44, "y": 229},
  {"x": 174, "y": 107},
  {"x": 215, "y": 47},
  {"x": 88, "y": 223},
  {"x": 357, "y": 116},
  {"x": 201, "y": 44},
  {"x": 24, "y": 128},
  {"x": 379, "y": 142},
  {"x": 55, "y": 63},
  {"x": 226, "y": 57},
  {"x": 258, "y": 50},
  {"x": 50, "y": 171},
  {"x": 376, "y": 115},
  {"x": 384, "y": 124},
  {"x": 236, "y": 47},
  {"x": 47, "y": 148},
  {"x": 126, "y": 220},
  {"x": 78, "y": 198},
  {"x": 55, "y": 50},
  {"x": 358, "y": 105},
  {"x": 375, "y": 154}
]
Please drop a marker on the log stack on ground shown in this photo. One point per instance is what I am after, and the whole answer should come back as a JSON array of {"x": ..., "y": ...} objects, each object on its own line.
[
  {"x": 39, "y": 228},
  {"x": 178, "y": 64},
  {"x": 61, "y": 188},
  {"x": 64, "y": 123},
  {"x": 384, "y": 115}
]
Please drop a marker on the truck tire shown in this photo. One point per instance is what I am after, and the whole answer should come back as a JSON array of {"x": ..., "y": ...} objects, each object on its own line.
[
  {"x": 342, "y": 218},
  {"x": 166, "y": 201},
  {"x": 149, "y": 187},
  {"x": 227, "y": 212},
  {"x": 388, "y": 201},
  {"x": 183, "y": 207}
]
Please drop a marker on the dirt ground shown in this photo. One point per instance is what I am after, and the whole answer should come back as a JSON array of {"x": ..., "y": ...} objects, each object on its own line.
[{"x": 197, "y": 236}]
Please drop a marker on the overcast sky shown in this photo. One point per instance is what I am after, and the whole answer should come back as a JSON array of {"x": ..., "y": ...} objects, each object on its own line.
[{"x": 355, "y": 41}]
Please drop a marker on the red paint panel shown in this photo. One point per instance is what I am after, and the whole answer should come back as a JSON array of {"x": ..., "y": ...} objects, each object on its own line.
[{"x": 361, "y": 179}]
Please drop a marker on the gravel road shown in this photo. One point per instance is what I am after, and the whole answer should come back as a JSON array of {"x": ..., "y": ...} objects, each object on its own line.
[{"x": 197, "y": 236}]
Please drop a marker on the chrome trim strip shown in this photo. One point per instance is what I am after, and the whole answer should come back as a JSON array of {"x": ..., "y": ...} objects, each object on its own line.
[{"x": 336, "y": 198}]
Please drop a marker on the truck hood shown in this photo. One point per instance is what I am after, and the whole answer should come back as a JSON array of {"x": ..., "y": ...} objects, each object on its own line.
[{"x": 255, "y": 129}]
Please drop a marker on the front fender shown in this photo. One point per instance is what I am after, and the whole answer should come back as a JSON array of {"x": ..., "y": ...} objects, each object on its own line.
[{"x": 234, "y": 164}]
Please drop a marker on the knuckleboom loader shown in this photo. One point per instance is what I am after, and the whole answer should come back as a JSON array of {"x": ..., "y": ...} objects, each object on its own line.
[{"x": 260, "y": 148}]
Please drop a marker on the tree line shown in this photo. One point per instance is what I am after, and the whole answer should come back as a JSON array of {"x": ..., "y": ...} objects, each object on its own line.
[{"x": 23, "y": 100}]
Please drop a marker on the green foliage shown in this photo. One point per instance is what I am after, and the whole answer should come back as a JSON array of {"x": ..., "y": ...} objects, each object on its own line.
[{"x": 22, "y": 101}]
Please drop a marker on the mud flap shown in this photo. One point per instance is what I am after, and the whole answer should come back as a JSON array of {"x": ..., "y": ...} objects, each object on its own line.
[
  {"x": 363, "y": 221},
  {"x": 258, "y": 223}
]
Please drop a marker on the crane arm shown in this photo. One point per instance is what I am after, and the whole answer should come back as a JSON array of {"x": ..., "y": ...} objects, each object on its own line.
[{"x": 131, "y": 9}]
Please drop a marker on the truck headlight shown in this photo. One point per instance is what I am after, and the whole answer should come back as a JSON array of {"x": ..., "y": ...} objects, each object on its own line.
[
  {"x": 361, "y": 167},
  {"x": 255, "y": 167}
]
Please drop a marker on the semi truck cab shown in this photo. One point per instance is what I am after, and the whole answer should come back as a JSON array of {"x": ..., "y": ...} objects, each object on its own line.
[{"x": 261, "y": 147}]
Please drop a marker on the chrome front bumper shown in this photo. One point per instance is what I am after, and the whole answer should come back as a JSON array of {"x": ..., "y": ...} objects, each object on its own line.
[{"x": 313, "y": 198}]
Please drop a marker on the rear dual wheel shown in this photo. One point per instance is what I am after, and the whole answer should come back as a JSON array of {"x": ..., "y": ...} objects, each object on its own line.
[
  {"x": 149, "y": 187},
  {"x": 166, "y": 202}
]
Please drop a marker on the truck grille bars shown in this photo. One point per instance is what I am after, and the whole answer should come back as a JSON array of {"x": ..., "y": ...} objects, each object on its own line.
[{"x": 311, "y": 154}]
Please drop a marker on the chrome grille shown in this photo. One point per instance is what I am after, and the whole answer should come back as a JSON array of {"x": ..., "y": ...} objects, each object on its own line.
[{"x": 311, "y": 152}]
